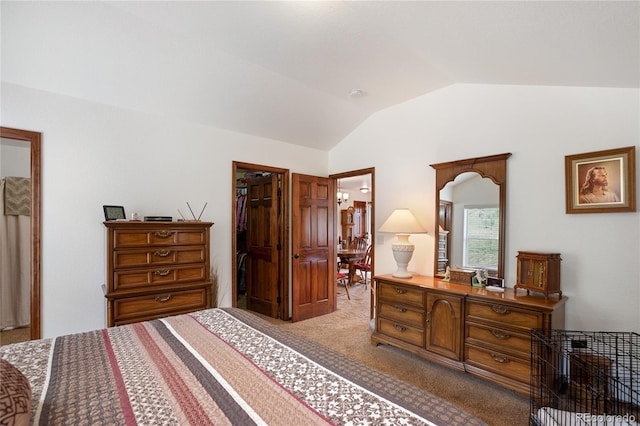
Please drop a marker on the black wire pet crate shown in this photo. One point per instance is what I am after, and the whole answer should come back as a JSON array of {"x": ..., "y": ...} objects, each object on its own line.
[{"x": 584, "y": 378}]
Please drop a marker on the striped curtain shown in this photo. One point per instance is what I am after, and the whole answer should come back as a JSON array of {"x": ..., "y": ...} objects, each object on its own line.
[{"x": 15, "y": 257}]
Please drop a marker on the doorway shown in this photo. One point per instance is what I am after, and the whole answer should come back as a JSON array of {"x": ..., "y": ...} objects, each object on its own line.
[
  {"x": 260, "y": 241},
  {"x": 29, "y": 142},
  {"x": 359, "y": 185},
  {"x": 277, "y": 293}
]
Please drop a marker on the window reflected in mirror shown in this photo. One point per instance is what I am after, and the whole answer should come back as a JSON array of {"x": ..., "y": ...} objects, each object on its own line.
[{"x": 473, "y": 235}]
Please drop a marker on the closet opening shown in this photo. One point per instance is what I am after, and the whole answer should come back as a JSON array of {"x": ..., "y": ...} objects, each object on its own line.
[
  {"x": 20, "y": 234},
  {"x": 260, "y": 242}
]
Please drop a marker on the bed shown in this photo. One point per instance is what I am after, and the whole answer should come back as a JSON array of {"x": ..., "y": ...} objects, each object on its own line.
[{"x": 217, "y": 366}]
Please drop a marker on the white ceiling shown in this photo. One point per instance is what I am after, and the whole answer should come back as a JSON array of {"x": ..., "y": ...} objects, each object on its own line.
[
  {"x": 353, "y": 184},
  {"x": 284, "y": 70}
]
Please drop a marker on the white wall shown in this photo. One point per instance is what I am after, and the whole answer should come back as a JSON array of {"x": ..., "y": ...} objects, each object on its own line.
[
  {"x": 15, "y": 158},
  {"x": 539, "y": 125},
  {"x": 93, "y": 155}
]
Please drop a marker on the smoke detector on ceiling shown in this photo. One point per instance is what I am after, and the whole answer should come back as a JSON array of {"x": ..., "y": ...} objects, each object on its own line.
[{"x": 356, "y": 93}]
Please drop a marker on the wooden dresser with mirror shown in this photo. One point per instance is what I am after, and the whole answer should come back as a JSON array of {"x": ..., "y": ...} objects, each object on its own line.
[{"x": 472, "y": 329}]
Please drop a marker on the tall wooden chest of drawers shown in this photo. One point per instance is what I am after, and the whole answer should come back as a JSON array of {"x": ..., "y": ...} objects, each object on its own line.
[{"x": 156, "y": 269}]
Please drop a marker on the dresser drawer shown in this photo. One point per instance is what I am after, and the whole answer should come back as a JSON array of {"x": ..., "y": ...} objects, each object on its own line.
[
  {"x": 505, "y": 365},
  {"x": 124, "y": 238},
  {"x": 134, "y": 278},
  {"x": 504, "y": 315},
  {"x": 488, "y": 336},
  {"x": 412, "y": 335},
  {"x": 402, "y": 314},
  {"x": 158, "y": 256},
  {"x": 401, "y": 294},
  {"x": 134, "y": 309}
]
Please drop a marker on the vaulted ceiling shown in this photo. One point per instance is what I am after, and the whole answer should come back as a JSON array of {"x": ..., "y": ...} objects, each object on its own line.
[{"x": 285, "y": 70}]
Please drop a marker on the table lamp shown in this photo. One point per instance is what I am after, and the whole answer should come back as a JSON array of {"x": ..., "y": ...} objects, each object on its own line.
[{"x": 402, "y": 222}]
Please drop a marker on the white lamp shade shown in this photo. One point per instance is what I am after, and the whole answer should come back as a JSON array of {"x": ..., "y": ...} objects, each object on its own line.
[{"x": 402, "y": 221}]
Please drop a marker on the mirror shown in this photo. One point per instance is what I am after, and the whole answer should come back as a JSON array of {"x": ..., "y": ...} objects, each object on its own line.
[
  {"x": 480, "y": 185},
  {"x": 29, "y": 142}
]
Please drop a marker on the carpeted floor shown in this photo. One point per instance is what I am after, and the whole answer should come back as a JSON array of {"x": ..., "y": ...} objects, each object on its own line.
[
  {"x": 347, "y": 331},
  {"x": 15, "y": 335}
]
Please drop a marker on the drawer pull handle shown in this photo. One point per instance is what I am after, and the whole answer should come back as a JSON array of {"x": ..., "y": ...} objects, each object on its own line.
[
  {"x": 400, "y": 290},
  {"x": 400, "y": 308},
  {"x": 500, "y": 359},
  {"x": 163, "y": 234},
  {"x": 399, "y": 327},
  {"x": 163, "y": 272},
  {"x": 164, "y": 298},
  {"x": 162, "y": 253},
  {"x": 500, "y": 334},
  {"x": 500, "y": 309}
]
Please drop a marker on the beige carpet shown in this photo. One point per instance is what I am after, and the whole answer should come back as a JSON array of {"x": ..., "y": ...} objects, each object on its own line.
[
  {"x": 15, "y": 335},
  {"x": 347, "y": 331}
]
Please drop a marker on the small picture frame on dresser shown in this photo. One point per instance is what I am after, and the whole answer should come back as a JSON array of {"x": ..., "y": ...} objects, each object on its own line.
[{"x": 114, "y": 213}]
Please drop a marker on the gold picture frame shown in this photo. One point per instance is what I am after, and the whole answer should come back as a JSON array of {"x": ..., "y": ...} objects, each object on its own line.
[{"x": 601, "y": 181}]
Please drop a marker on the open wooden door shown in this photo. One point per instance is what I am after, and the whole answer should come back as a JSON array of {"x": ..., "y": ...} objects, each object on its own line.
[
  {"x": 313, "y": 246},
  {"x": 263, "y": 245}
]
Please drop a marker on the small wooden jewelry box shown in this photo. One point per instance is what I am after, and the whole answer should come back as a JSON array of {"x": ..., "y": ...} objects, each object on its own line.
[{"x": 462, "y": 276}]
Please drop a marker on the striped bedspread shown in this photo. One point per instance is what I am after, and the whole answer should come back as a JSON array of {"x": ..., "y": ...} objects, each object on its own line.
[{"x": 219, "y": 366}]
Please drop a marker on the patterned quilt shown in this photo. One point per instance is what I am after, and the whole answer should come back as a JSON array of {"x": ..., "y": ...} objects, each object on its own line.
[{"x": 218, "y": 366}]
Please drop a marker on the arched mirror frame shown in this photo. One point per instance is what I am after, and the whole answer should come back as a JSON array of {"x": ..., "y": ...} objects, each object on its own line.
[
  {"x": 493, "y": 167},
  {"x": 33, "y": 138}
]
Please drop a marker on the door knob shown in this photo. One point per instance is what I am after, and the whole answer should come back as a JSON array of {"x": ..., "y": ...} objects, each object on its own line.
[{"x": 296, "y": 256}]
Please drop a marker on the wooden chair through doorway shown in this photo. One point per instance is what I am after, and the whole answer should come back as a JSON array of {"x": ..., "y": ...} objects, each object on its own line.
[
  {"x": 344, "y": 280},
  {"x": 359, "y": 243},
  {"x": 363, "y": 267}
]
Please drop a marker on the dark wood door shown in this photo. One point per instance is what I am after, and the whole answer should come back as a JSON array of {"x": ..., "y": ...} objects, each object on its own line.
[
  {"x": 313, "y": 243},
  {"x": 263, "y": 244}
]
